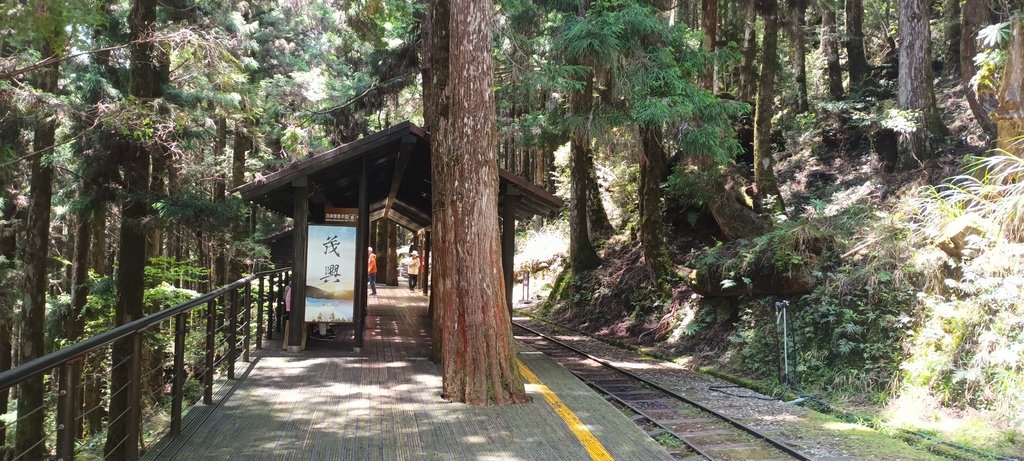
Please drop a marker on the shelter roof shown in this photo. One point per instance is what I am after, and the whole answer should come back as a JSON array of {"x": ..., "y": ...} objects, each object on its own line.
[{"x": 398, "y": 161}]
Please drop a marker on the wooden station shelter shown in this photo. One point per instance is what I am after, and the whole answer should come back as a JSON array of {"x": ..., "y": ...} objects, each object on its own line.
[{"x": 382, "y": 176}]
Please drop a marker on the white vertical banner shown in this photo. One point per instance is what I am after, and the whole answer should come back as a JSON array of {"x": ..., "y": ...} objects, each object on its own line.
[{"x": 330, "y": 273}]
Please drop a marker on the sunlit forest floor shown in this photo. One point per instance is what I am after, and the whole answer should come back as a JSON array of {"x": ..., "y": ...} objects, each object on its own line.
[{"x": 913, "y": 319}]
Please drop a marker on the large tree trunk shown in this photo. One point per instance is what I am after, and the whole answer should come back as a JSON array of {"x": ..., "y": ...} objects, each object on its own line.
[
  {"x": 29, "y": 431},
  {"x": 158, "y": 188},
  {"x": 797, "y": 13},
  {"x": 380, "y": 243},
  {"x": 435, "y": 113},
  {"x": 477, "y": 362},
  {"x": 768, "y": 196},
  {"x": 856, "y": 60},
  {"x": 748, "y": 50},
  {"x": 916, "y": 92},
  {"x": 131, "y": 259},
  {"x": 830, "y": 49},
  {"x": 951, "y": 34},
  {"x": 10, "y": 139},
  {"x": 598, "y": 225},
  {"x": 99, "y": 240},
  {"x": 976, "y": 14},
  {"x": 80, "y": 267},
  {"x": 392, "y": 250},
  {"x": 582, "y": 256},
  {"x": 728, "y": 206},
  {"x": 709, "y": 25},
  {"x": 5, "y": 364},
  {"x": 1009, "y": 116},
  {"x": 220, "y": 261},
  {"x": 242, "y": 146},
  {"x": 240, "y": 149},
  {"x": 652, "y": 229}
]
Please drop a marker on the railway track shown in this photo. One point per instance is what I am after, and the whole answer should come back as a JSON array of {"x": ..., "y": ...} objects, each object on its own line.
[{"x": 705, "y": 433}]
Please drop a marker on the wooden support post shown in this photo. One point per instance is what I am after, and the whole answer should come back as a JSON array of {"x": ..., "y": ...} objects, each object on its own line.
[
  {"x": 282, "y": 285},
  {"x": 134, "y": 416},
  {"x": 271, "y": 305},
  {"x": 508, "y": 241},
  {"x": 178, "y": 385},
  {"x": 300, "y": 237},
  {"x": 425, "y": 263},
  {"x": 211, "y": 325},
  {"x": 259, "y": 314},
  {"x": 232, "y": 305},
  {"x": 362, "y": 257},
  {"x": 67, "y": 409},
  {"x": 246, "y": 321}
]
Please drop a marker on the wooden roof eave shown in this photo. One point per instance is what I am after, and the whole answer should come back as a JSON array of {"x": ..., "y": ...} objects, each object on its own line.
[{"x": 283, "y": 177}]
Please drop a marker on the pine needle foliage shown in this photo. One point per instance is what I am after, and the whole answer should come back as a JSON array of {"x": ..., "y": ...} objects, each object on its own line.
[{"x": 647, "y": 70}]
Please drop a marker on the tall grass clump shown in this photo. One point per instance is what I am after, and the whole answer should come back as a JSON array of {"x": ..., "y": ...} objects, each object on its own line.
[
  {"x": 968, "y": 353},
  {"x": 991, "y": 188}
]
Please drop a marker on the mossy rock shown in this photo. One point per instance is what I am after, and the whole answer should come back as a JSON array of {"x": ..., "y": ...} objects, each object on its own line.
[
  {"x": 955, "y": 234},
  {"x": 784, "y": 262}
]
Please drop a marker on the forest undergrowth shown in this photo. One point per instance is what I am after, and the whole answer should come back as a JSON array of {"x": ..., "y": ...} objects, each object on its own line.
[{"x": 904, "y": 290}]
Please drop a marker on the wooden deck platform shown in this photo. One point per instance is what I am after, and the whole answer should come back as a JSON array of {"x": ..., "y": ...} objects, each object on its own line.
[{"x": 329, "y": 403}]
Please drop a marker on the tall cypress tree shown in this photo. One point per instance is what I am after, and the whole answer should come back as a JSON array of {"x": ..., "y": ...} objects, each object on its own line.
[
  {"x": 916, "y": 90},
  {"x": 131, "y": 258},
  {"x": 29, "y": 433}
]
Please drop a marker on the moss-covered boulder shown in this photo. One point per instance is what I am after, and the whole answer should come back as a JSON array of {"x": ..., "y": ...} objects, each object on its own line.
[
  {"x": 955, "y": 234},
  {"x": 786, "y": 261}
]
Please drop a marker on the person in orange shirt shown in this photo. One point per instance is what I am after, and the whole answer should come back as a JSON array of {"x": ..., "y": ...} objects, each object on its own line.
[{"x": 371, "y": 270}]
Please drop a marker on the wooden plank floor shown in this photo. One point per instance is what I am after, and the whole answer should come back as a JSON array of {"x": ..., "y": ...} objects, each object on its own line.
[{"x": 329, "y": 403}]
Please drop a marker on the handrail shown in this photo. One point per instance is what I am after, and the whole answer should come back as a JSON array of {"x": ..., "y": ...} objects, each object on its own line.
[{"x": 52, "y": 360}]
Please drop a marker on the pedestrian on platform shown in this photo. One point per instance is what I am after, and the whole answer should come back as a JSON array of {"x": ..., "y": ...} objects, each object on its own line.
[
  {"x": 414, "y": 269},
  {"x": 371, "y": 270}
]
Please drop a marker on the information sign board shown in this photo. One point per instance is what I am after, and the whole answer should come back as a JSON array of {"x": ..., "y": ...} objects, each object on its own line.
[{"x": 330, "y": 273}]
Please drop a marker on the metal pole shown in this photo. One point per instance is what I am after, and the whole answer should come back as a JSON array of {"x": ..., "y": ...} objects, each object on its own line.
[
  {"x": 178, "y": 386},
  {"x": 211, "y": 321},
  {"x": 67, "y": 409},
  {"x": 134, "y": 421},
  {"x": 785, "y": 344}
]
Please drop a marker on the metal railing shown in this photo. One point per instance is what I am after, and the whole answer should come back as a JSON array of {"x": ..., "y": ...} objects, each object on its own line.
[{"x": 78, "y": 379}]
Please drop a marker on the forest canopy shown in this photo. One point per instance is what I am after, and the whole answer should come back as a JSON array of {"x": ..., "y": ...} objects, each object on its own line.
[{"x": 860, "y": 159}]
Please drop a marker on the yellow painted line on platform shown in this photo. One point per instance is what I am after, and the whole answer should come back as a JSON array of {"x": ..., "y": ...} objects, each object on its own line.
[{"x": 590, "y": 442}]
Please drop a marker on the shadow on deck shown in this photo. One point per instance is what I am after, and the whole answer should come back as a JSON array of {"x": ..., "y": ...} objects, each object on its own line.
[{"x": 383, "y": 404}]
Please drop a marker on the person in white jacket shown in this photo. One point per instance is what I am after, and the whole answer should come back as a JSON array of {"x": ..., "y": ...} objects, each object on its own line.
[{"x": 414, "y": 269}]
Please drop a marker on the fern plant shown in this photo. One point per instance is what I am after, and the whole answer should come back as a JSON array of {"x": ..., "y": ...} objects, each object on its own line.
[{"x": 992, "y": 188}]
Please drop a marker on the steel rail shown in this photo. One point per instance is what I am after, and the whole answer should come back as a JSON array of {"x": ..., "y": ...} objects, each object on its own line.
[
  {"x": 17, "y": 375},
  {"x": 754, "y": 432},
  {"x": 693, "y": 446}
]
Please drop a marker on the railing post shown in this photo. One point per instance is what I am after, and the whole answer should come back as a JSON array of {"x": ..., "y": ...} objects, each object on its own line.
[
  {"x": 247, "y": 321},
  {"x": 67, "y": 409},
  {"x": 270, "y": 305},
  {"x": 134, "y": 423},
  {"x": 259, "y": 314},
  {"x": 177, "y": 387},
  {"x": 232, "y": 332},
  {"x": 211, "y": 323}
]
